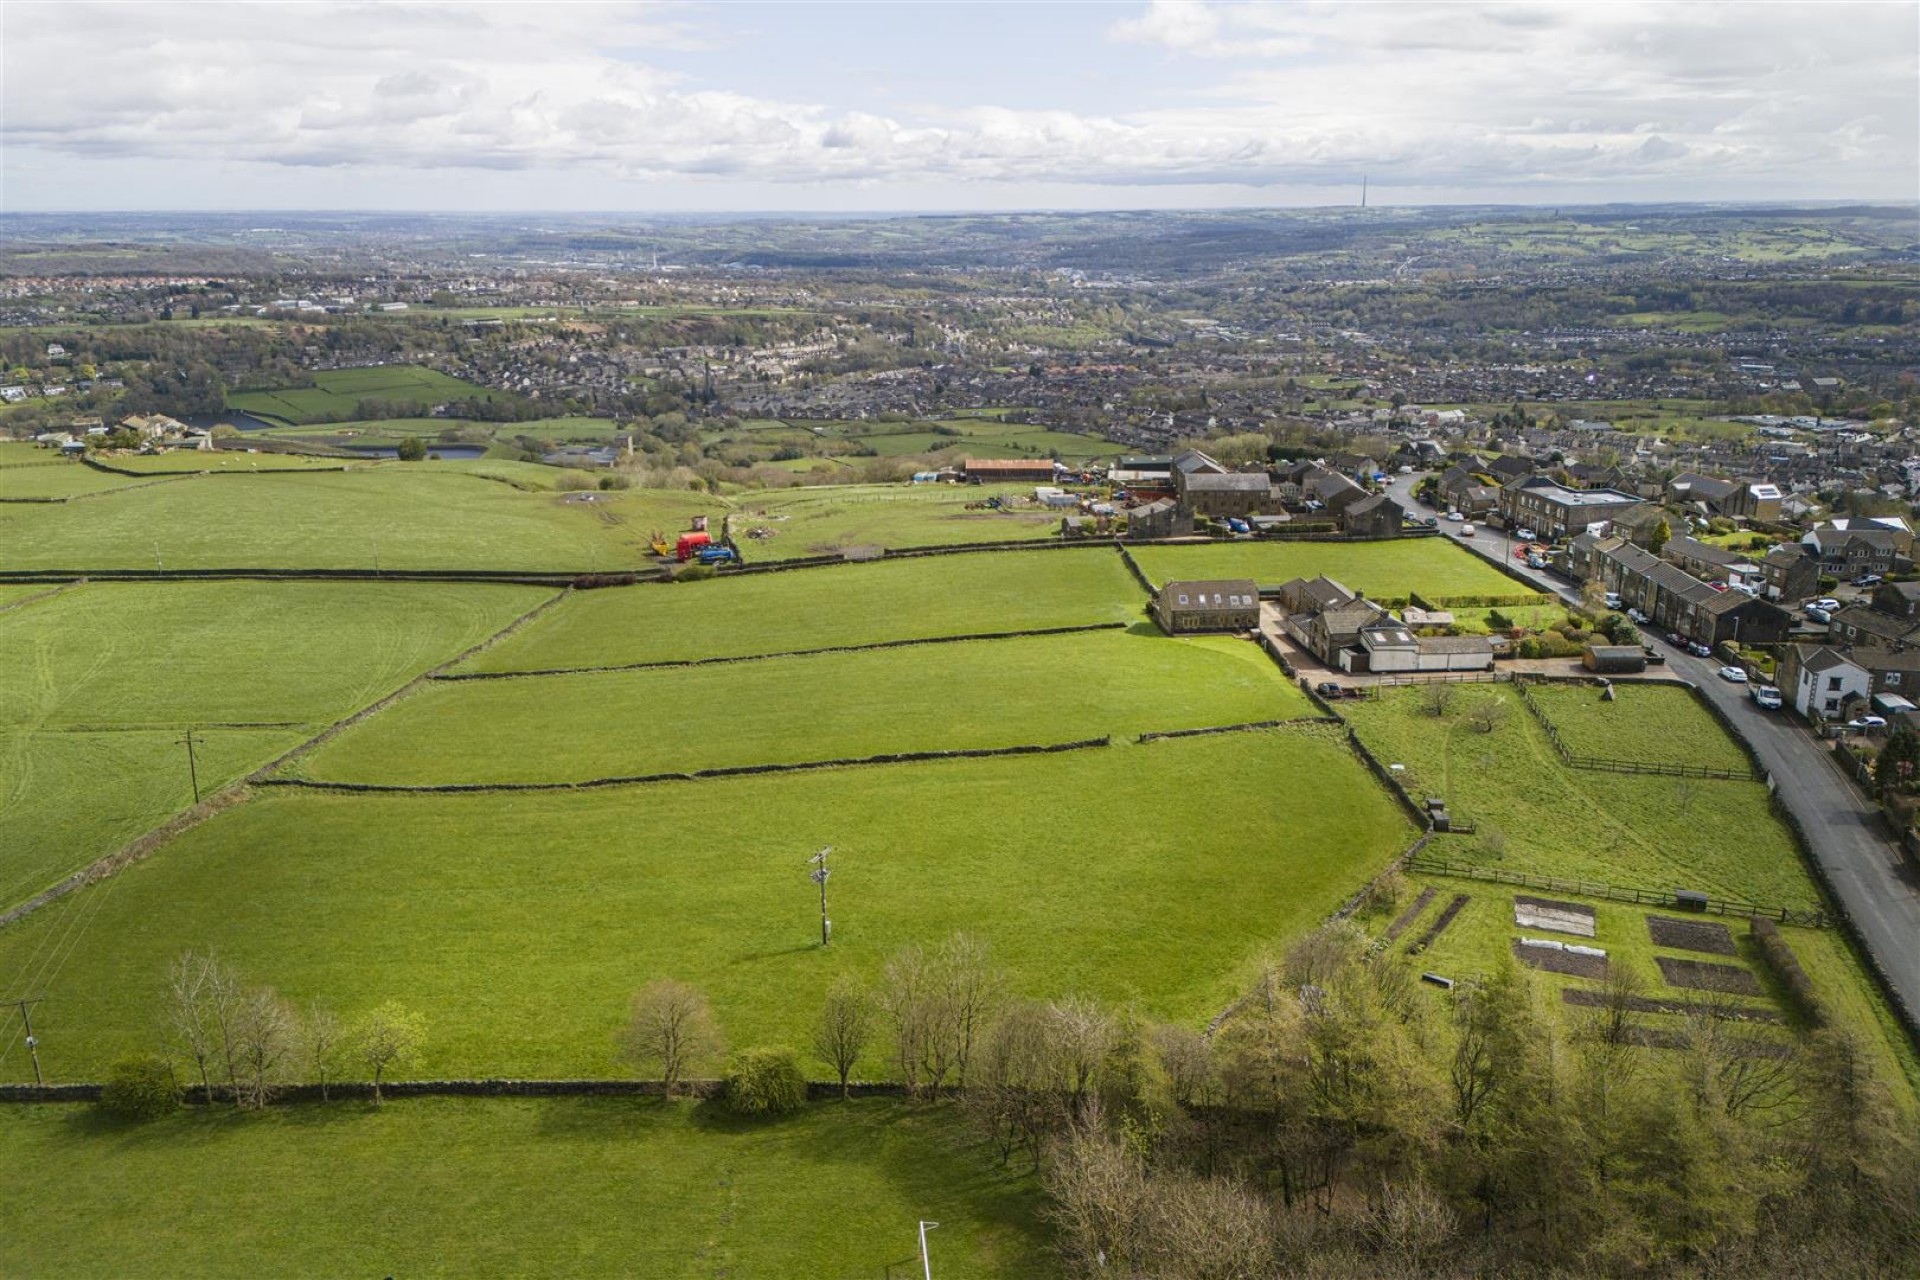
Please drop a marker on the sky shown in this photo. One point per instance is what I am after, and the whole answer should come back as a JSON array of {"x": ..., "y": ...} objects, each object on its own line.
[{"x": 760, "y": 107}]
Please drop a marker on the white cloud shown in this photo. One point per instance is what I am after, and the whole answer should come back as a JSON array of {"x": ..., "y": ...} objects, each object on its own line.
[{"x": 1606, "y": 99}]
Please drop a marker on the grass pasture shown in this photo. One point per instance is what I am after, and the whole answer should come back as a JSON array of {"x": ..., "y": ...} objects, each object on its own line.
[
  {"x": 520, "y": 923},
  {"x": 460, "y": 1187},
  {"x": 98, "y": 683},
  {"x": 1537, "y": 816},
  {"x": 988, "y": 693},
  {"x": 817, "y": 608},
  {"x": 57, "y": 479},
  {"x": 827, "y": 520},
  {"x": 238, "y": 459},
  {"x": 424, "y": 516},
  {"x": 336, "y": 393},
  {"x": 1433, "y": 567},
  {"x": 1654, "y": 723}
]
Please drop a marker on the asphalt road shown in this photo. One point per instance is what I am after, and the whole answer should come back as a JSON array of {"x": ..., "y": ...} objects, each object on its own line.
[{"x": 1847, "y": 836}]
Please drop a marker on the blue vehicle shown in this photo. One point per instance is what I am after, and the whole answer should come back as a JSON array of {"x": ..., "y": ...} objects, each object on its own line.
[
  {"x": 712, "y": 554},
  {"x": 1238, "y": 525}
]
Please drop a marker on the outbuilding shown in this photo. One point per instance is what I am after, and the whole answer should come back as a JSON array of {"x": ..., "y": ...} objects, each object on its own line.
[{"x": 1615, "y": 659}]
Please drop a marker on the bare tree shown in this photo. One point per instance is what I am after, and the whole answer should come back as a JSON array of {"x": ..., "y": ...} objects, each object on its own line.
[
  {"x": 1437, "y": 697},
  {"x": 321, "y": 1043},
  {"x": 1080, "y": 1034},
  {"x": 1187, "y": 1058},
  {"x": 1488, "y": 713},
  {"x": 970, "y": 991},
  {"x": 201, "y": 993},
  {"x": 846, "y": 1026},
  {"x": 907, "y": 999},
  {"x": 264, "y": 1033},
  {"x": 387, "y": 1039},
  {"x": 670, "y": 1027}
]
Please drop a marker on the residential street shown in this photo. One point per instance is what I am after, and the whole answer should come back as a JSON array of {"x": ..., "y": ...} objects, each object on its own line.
[{"x": 1847, "y": 836}]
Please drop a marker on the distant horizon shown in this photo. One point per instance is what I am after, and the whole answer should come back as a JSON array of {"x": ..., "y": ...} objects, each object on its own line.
[{"x": 836, "y": 108}]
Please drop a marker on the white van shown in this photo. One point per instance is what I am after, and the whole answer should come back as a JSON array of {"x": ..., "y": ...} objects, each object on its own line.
[{"x": 1466, "y": 531}]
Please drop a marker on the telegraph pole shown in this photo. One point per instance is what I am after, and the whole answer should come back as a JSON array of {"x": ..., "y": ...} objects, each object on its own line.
[
  {"x": 819, "y": 876},
  {"x": 25, "y": 1005},
  {"x": 193, "y": 767}
]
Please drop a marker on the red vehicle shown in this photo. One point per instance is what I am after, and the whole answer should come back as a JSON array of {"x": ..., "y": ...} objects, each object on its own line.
[{"x": 689, "y": 545}]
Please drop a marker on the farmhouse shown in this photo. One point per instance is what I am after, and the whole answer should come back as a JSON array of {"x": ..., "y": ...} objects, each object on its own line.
[
  {"x": 1375, "y": 517},
  {"x": 1163, "y": 519},
  {"x": 1226, "y": 604}
]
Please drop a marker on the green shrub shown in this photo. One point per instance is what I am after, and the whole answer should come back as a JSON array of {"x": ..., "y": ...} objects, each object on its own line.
[
  {"x": 764, "y": 1082},
  {"x": 694, "y": 573},
  {"x": 141, "y": 1086}
]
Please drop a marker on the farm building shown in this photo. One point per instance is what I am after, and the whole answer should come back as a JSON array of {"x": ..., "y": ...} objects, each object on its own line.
[
  {"x": 1389, "y": 648},
  {"x": 1233, "y": 494},
  {"x": 1227, "y": 604},
  {"x": 1009, "y": 470},
  {"x": 1163, "y": 519}
]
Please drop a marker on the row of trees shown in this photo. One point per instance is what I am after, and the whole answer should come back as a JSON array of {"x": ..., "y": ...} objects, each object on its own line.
[{"x": 248, "y": 1041}]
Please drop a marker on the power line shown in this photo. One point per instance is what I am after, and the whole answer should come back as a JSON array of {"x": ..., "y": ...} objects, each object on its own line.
[{"x": 25, "y": 1005}]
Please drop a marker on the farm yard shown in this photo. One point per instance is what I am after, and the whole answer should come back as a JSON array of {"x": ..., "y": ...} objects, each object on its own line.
[
  {"x": 819, "y": 608},
  {"x": 336, "y": 394},
  {"x": 1432, "y": 567},
  {"x": 521, "y": 951},
  {"x": 789, "y": 710},
  {"x": 560, "y": 1180}
]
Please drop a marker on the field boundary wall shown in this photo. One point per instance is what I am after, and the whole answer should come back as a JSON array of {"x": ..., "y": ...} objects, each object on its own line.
[
  {"x": 1603, "y": 764},
  {"x": 693, "y": 775},
  {"x": 679, "y": 663}
]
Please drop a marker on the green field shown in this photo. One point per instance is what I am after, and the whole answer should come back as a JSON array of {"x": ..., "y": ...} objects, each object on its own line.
[
  {"x": 519, "y": 924},
  {"x": 387, "y": 431},
  {"x": 98, "y": 684},
  {"x": 190, "y": 461},
  {"x": 817, "y": 608},
  {"x": 827, "y": 520},
  {"x": 411, "y": 517},
  {"x": 988, "y": 693},
  {"x": 1634, "y": 830},
  {"x": 1657, "y": 724},
  {"x": 56, "y": 479},
  {"x": 1432, "y": 567},
  {"x": 554, "y": 1187},
  {"x": 336, "y": 393}
]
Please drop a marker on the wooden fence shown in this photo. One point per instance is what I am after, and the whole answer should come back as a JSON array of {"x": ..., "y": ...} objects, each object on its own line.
[
  {"x": 1608, "y": 764},
  {"x": 1809, "y": 917}
]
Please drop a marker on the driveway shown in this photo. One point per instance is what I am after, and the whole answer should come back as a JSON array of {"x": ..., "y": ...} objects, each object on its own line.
[{"x": 1847, "y": 836}]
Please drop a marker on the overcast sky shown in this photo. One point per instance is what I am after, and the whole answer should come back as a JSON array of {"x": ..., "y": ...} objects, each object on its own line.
[{"x": 894, "y": 106}]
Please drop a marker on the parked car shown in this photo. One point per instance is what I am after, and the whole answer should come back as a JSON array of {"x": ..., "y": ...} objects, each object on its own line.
[
  {"x": 1536, "y": 562},
  {"x": 1859, "y": 723},
  {"x": 1455, "y": 516},
  {"x": 1699, "y": 650},
  {"x": 1765, "y": 696},
  {"x": 1868, "y": 580},
  {"x": 1613, "y": 599},
  {"x": 1639, "y": 617},
  {"x": 1677, "y": 640},
  {"x": 1824, "y": 602},
  {"x": 1466, "y": 531},
  {"x": 1525, "y": 535},
  {"x": 1817, "y": 614},
  {"x": 1733, "y": 675}
]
